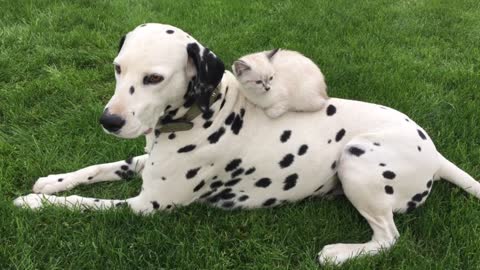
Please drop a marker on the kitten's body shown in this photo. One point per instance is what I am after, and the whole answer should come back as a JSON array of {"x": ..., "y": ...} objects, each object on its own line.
[{"x": 280, "y": 81}]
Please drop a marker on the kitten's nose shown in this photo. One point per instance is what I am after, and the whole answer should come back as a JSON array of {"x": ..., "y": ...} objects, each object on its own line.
[{"x": 267, "y": 88}]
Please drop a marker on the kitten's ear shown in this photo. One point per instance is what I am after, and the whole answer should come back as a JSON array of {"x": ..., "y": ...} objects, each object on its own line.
[
  {"x": 239, "y": 67},
  {"x": 272, "y": 53}
]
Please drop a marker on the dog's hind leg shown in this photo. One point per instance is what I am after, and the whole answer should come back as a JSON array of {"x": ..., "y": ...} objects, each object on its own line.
[
  {"x": 381, "y": 173},
  {"x": 97, "y": 173}
]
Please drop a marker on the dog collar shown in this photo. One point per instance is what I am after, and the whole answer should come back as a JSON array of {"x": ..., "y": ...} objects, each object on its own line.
[{"x": 185, "y": 123}]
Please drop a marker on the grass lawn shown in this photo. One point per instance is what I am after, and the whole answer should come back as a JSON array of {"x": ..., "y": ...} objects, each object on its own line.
[{"x": 420, "y": 57}]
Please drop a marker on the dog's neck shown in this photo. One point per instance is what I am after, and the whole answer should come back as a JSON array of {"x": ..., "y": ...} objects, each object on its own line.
[{"x": 182, "y": 118}]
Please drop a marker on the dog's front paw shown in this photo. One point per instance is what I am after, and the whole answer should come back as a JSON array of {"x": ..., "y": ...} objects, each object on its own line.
[
  {"x": 53, "y": 183},
  {"x": 32, "y": 201}
]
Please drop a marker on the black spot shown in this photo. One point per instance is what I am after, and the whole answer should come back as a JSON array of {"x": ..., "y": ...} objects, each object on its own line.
[
  {"x": 356, "y": 151},
  {"x": 120, "y": 204},
  {"x": 96, "y": 200},
  {"x": 172, "y": 136},
  {"x": 214, "y": 137},
  {"x": 340, "y": 135},
  {"x": 237, "y": 172},
  {"x": 169, "y": 206},
  {"x": 407, "y": 120},
  {"x": 242, "y": 112},
  {"x": 329, "y": 141},
  {"x": 125, "y": 174},
  {"x": 132, "y": 90},
  {"x": 417, "y": 197},
  {"x": 155, "y": 205},
  {"x": 376, "y": 144},
  {"x": 223, "y": 104},
  {"x": 206, "y": 194},
  {"x": 233, "y": 164},
  {"x": 264, "y": 182},
  {"x": 170, "y": 31},
  {"x": 290, "y": 181},
  {"x": 153, "y": 163},
  {"x": 331, "y": 110},
  {"x": 270, "y": 202},
  {"x": 216, "y": 184},
  {"x": 199, "y": 186},
  {"x": 429, "y": 184},
  {"x": 90, "y": 177},
  {"x": 232, "y": 182},
  {"x": 411, "y": 206},
  {"x": 389, "y": 175},
  {"x": 124, "y": 167},
  {"x": 229, "y": 119},
  {"x": 207, "y": 124},
  {"x": 425, "y": 193},
  {"x": 419, "y": 149},
  {"x": 129, "y": 160},
  {"x": 285, "y": 136},
  {"x": 172, "y": 113},
  {"x": 242, "y": 198},
  {"x": 187, "y": 148},
  {"x": 389, "y": 189},
  {"x": 157, "y": 132},
  {"x": 192, "y": 173},
  {"x": 237, "y": 125},
  {"x": 421, "y": 134},
  {"x": 60, "y": 179},
  {"x": 228, "y": 204},
  {"x": 286, "y": 161},
  {"x": 382, "y": 164},
  {"x": 302, "y": 150},
  {"x": 320, "y": 187},
  {"x": 163, "y": 178},
  {"x": 207, "y": 114},
  {"x": 120, "y": 44},
  {"x": 334, "y": 165},
  {"x": 250, "y": 171}
]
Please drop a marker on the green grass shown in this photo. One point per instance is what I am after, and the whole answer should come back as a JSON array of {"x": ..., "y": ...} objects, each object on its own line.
[{"x": 420, "y": 57}]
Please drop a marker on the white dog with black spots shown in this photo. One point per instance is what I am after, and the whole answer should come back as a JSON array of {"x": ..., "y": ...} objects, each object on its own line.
[{"x": 234, "y": 156}]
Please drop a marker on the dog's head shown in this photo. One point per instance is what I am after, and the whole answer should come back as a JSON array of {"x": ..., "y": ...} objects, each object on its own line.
[{"x": 159, "y": 68}]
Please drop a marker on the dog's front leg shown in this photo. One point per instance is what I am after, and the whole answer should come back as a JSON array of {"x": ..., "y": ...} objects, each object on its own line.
[{"x": 96, "y": 173}]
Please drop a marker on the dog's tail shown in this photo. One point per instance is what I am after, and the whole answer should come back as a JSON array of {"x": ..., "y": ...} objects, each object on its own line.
[{"x": 457, "y": 176}]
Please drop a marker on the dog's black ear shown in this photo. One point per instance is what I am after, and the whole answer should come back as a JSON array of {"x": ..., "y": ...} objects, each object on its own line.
[
  {"x": 272, "y": 53},
  {"x": 120, "y": 44},
  {"x": 209, "y": 72}
]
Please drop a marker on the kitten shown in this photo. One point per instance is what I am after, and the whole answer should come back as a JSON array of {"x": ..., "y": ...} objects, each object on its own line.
[{"x": 280, "y": 81}]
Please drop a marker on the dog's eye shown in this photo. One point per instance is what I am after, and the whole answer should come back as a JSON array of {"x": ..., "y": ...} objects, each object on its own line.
[
  {"x": 152, "y": 79},
  {"x": 118, "y": 70},
  {"x": 258, "y": 82}
]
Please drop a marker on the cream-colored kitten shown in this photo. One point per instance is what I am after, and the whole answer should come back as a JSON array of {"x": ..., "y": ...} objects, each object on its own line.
[{"x": 280, "y": 81}]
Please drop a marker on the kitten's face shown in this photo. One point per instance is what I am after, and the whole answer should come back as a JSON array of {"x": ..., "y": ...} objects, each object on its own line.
[{"x": 255, "y": 73}]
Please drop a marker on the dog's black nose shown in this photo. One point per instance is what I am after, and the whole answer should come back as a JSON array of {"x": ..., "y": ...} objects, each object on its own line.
[{"x": 111, "y": 122}]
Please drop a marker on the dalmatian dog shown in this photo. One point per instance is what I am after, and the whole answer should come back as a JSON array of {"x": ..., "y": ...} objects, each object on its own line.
[{"x": 233, "y": 156}]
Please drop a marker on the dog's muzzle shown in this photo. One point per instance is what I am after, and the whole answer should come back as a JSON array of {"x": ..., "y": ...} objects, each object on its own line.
[{"x": 111, "y": 122}]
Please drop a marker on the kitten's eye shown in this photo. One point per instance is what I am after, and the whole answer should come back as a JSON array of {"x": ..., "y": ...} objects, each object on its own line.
[
  {"x": 258, "y": 82},
  {"x": 118, "y": 70},
  {"x": 271, "y": 78},
  {"x": 152, "y": 79}
]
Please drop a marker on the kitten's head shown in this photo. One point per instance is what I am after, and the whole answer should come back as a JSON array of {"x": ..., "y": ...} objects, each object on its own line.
[{"x": 255, "y": 71}]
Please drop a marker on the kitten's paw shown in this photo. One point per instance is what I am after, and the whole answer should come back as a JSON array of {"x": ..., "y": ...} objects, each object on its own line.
[{"x": 275, "y": 111}]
